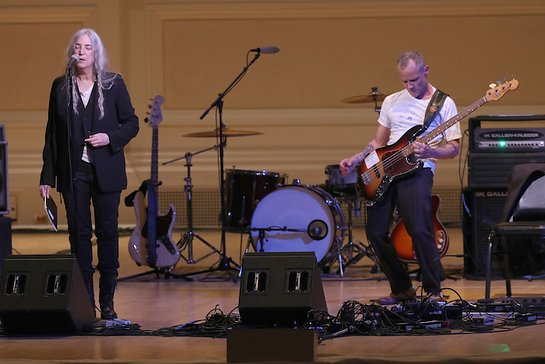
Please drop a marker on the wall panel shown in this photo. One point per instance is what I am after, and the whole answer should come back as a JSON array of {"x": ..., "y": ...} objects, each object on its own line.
[
  {"x": 189, "y": 51},
  {"x": 322, "y": 61}
]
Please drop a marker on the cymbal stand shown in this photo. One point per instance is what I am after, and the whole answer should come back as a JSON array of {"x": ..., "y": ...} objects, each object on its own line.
[
  {"x": 374, "y": 93},
  {"x": 186, "y": 241},
  {"x": 355, "y": 251},
  {"x": 225, "y": 261}
]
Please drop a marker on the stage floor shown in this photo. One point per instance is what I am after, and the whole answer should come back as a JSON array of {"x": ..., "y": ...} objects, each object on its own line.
[{"x": 158, "y": 302}]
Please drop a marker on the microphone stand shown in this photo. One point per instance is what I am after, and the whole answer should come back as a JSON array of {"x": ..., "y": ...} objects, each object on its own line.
[
  {"x": 69, "y": 72},
  {"x": 225, "y": 261}
]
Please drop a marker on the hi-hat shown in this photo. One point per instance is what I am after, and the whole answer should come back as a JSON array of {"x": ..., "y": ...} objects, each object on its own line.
[
  {"x": 225, "y": 132},
  {"x": 363, "y": 99}
]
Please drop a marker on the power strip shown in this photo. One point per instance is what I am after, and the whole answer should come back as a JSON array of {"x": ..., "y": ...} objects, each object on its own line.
[
  {"x": 117, "y": 323},
  {"x": 429, "y": 325},
  {"x": 492, "y": 318}
]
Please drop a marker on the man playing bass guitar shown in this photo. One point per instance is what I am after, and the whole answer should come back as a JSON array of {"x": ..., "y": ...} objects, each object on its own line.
[{"x": 411, "y": 191}]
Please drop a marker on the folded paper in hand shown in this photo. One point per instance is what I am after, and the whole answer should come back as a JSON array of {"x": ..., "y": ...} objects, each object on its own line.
[{"x": 50, "y": 208}]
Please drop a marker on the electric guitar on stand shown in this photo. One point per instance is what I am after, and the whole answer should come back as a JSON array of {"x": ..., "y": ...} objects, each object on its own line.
[
  {"x": 384, "y": 165},
  {"x": 403, "y": 242},
  {"x": 151, "y": 242}
]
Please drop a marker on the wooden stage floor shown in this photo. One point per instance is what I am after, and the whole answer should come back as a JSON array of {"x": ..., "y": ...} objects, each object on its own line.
[{"x": 155, "y": 302}]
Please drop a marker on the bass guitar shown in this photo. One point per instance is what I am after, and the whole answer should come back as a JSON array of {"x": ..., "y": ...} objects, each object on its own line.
[
  {"x": 151, "y": 242},
  {"x": 403, "y": 243},
  {"x": 384, "y": 165}
]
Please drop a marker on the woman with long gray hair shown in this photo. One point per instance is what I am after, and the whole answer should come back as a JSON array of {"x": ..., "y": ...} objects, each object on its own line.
[{"x": 90, "y": 121}]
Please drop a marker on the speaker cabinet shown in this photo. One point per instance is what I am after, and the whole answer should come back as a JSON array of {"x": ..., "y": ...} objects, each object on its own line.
[
  {"x": 279, "y": 289},
  {"x": 5, "y": 239},
  {"x": 44, "y": 294},
  {"x": 492, "y": 170},
  {"x": 482, "y": 210},
  {"x": 4, "y": 194}
]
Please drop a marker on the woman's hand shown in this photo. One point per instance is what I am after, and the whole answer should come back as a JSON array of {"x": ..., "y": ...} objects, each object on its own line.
[
  {"x": 98, "y": 140},
  {"x": 44, "y": 191}
]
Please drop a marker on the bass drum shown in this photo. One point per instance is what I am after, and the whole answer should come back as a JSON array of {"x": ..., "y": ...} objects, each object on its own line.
[{"x": 298, "y": 219}]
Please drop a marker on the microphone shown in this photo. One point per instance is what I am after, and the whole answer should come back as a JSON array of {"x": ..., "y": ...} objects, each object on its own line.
[
  {"x": 357, "y": 206},
  {"x": 266, "y": 50},
  {"x": 317, "y": 229},
  {"x": 73, "y": 59}
]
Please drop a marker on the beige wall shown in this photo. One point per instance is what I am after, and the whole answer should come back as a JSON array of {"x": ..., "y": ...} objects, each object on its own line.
[{"x": 189, "y": 51}]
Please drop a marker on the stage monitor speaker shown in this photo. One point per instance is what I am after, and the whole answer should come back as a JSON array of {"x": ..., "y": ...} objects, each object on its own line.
[
  {"x": 280, "y": 289},
  {"x": 482, "y": 210},
  {"x": 4, "y": 194},
  {"x": 44, "y": 294}
]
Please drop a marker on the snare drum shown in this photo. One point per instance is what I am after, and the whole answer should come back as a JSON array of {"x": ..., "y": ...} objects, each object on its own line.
[
  {"x": 298, "y": 218},
  {"x": 243, "y": 189},
  {"x": 336, "y": 182}
]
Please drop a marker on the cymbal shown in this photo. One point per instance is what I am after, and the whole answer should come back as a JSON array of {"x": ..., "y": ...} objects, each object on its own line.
[
  {"x": 363, "y": 99},
  {"x": 226, "y": 132}
]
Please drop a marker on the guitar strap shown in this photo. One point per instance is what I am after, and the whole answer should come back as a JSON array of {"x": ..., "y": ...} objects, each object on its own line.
[{"x": 434, "y": 106}]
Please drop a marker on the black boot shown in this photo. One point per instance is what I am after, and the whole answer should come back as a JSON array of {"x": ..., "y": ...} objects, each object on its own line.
[
  {"x": 107, "y": 285},
  {"x": 88, "y": 282}
]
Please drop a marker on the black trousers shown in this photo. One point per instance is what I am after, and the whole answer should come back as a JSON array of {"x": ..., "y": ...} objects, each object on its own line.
[
  {"x": 80, "y": 228},
  {"x": 413, "y": 198}
]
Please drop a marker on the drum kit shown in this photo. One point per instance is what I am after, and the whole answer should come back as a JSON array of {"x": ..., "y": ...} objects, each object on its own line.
[{"x": 282, "y": 217}]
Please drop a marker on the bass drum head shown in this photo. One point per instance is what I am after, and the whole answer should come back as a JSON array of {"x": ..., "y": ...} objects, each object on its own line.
[{"x": 283, "y": 218}]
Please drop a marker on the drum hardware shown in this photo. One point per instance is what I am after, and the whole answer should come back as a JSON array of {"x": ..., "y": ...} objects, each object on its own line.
[
  {"x": 225, "y": 262},
  {"x": 345, "y": 186},
  {"x": 374, "y": 96},
  {"x": 186, "y": 241},
  {"x": 354, "y": 251}
]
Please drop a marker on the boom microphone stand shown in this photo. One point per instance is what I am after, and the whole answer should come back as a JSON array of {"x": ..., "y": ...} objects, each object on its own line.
[{"x": 225, "y": 262}]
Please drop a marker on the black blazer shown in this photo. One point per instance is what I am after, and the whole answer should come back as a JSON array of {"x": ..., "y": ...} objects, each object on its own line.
[{"x": 119, "y": 122}]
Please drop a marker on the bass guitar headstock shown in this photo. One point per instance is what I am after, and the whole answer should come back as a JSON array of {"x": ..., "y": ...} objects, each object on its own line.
[
  {"x": 155, "y": 115},
  {"x": 496, "y": 92}
]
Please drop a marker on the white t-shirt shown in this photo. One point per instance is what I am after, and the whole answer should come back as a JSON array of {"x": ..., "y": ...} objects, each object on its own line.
[{"x": 401, "y": 111}]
